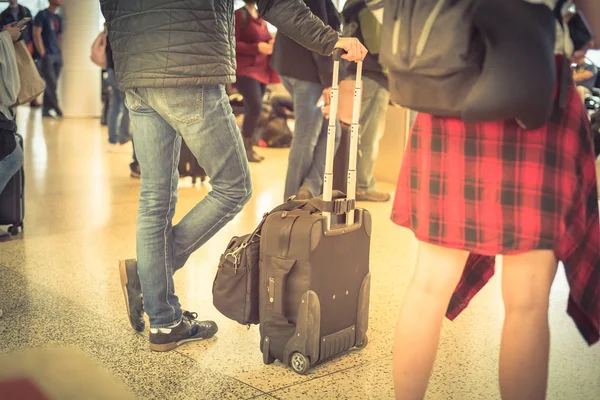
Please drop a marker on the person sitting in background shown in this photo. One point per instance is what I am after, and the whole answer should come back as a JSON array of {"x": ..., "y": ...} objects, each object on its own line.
[
  {"x": 47, "y": 33},
  {"x": 585, "y": 75},
  {"x": 254, "y": 46},
  {"x": 11, "y": 154},
  {"x": 359, "y": 22}
]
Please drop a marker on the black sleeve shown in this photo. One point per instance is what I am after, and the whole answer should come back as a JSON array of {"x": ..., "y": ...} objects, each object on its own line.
[
  {"x": 39, "y": 20},
  {"x": 295, "y": 20}
]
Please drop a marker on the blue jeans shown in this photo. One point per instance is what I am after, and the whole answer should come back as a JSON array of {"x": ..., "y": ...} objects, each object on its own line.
[
  {"x": 118, "y": 128},
  {"x": 306, "y": 165},
  {"x": 161, "y": 117},
  {"x": 10, "y": 165},
  {"x": 375, "y": 100}
]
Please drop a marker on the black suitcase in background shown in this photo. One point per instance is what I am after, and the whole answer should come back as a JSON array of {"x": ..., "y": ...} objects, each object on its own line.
[
  {"x": 12, "y": 200},
  {"x": 314, "y": 285},
  {"x": 188, "y": 165}
]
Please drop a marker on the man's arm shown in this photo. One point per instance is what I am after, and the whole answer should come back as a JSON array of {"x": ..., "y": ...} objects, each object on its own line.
[
  {"x": 580, "y": 75},
  {"x": 295, "y": 20},
  {"x": 37, "y": 40}
]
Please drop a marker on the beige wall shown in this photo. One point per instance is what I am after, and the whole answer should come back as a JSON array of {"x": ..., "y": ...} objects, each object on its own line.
[
  {"x": 391, "y": 147},
  {"x": 80, "y": 83}
]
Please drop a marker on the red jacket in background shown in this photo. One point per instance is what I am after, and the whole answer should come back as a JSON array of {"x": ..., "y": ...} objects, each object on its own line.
[{"x": 251, "y": 62}]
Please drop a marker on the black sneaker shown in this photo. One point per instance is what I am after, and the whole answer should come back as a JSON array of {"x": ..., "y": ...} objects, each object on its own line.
[
  {"x": 132, "y": 290},
  {"x": 188, "y": 330}
]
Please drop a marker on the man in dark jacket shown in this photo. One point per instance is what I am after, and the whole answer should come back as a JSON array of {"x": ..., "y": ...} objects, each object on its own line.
[
  {"x": 359, "y": 22},
  {"x": 306, "y": 75},
  {"x": 173, "y": 60}
]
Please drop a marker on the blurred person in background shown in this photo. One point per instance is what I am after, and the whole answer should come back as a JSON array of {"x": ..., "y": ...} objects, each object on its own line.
[
  {"x": 585, "y": 74},
  {"x": 14, "y": 13},
  {"x": 11, "y": 154},
  {"x": 47, "y": 33},
  {"x": 254, "y": 46}
]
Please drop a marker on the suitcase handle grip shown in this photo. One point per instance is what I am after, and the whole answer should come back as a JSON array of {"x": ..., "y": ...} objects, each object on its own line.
[
  {"x": 277, "y": 283},
  {"x": 338, "y": 53}
]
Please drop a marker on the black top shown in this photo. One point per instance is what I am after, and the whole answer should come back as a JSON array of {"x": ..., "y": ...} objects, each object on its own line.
[
  {"x": 8, "y": 128},
  {"x": 51, "y": 25},
  {"x": 292, "y": 60}
]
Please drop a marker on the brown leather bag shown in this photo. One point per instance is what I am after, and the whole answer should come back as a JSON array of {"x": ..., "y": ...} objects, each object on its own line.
[
  {"x": 32, "y": 84},
  {"x": 235, "y": 289}
]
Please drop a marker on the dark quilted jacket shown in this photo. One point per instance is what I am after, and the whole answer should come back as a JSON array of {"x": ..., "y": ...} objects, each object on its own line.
[{"x": 179, "y": 43}]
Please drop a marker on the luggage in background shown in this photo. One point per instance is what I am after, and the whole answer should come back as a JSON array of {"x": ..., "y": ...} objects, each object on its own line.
[
  {"x": 188, "y": 165},
  {"x": 12, "y": 200},
  {"x": 314, "y": 284}
]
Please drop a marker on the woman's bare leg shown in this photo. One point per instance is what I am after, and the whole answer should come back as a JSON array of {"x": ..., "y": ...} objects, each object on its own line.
[
  {"x": 526, "y": 283},
  {"x": 437, "y": 273}
]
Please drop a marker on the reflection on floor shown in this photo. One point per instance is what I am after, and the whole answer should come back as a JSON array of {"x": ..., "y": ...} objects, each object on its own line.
[{"x": 59, "y": 290}]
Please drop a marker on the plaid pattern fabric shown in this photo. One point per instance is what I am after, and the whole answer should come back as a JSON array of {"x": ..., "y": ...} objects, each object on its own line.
[{"x": 493, "y": 188}]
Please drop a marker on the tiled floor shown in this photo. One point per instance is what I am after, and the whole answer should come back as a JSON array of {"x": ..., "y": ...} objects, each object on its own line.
[{"x": 59, "y": 289}]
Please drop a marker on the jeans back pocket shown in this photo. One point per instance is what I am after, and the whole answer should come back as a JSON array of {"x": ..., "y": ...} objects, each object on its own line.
[{"x": 184, "y": 105}]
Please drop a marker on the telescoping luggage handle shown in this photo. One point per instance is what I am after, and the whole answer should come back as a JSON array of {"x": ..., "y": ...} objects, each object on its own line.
[{"x": 351, "y": 177}]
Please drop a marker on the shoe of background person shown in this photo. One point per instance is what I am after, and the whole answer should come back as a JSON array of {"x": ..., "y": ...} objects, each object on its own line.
[
  {"x": 46, "y": 114},
  {"x": 59, "y": 113},
  {"x": 126, "y": 140},
  {"x": 250, "y": 153},
  {"x": 377, "y": 197},
  {"x": 132, "y": 290},
  {"x": 135, "y": 170},
  {"x": 187, "y": 330}
]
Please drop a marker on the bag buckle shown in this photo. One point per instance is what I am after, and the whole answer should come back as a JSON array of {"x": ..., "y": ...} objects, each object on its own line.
[{"x": 343, "y": 206}]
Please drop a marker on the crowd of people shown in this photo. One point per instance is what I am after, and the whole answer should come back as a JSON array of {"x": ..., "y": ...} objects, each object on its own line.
[{"x": 469, "y": 191}]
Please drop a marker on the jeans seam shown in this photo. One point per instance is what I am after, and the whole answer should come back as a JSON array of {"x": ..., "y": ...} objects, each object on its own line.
[
  {"x": 166, "y": 227},
  {"x": 239, "y": 157}
]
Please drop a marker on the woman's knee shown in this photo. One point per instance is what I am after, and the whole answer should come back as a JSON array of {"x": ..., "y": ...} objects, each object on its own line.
[
  {"x": 438, "y": 269},
  {"x": 526, "y": 281}
]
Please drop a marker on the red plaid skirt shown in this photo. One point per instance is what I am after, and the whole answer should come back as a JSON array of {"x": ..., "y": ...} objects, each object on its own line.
[{"x": 494, "y": 188}]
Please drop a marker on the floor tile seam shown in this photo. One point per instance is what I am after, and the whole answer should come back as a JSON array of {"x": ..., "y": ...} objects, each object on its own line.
[
  {"x": 262, "y": 392},
  {"x": 272, "y": 393}
]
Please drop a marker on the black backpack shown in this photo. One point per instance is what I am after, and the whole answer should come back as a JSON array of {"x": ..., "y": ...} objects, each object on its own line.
[{"x": 481, "y": 60}]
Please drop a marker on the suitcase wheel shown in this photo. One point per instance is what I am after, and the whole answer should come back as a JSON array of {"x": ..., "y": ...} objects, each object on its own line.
[
  {"x": 13, "y": 230},
  {"x": 299, "y": 363},
  {"x": 364, "y": 343}
]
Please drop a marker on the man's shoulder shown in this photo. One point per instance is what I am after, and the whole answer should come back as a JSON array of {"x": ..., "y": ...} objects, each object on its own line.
[{"x": 25, "y": 10}]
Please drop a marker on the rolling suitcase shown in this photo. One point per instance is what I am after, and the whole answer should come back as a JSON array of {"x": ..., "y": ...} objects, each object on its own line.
[
  {"x": 12, "y": 200},
  {"x": 314, "y": 267},
  {"x": 188, "y": 165}
]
